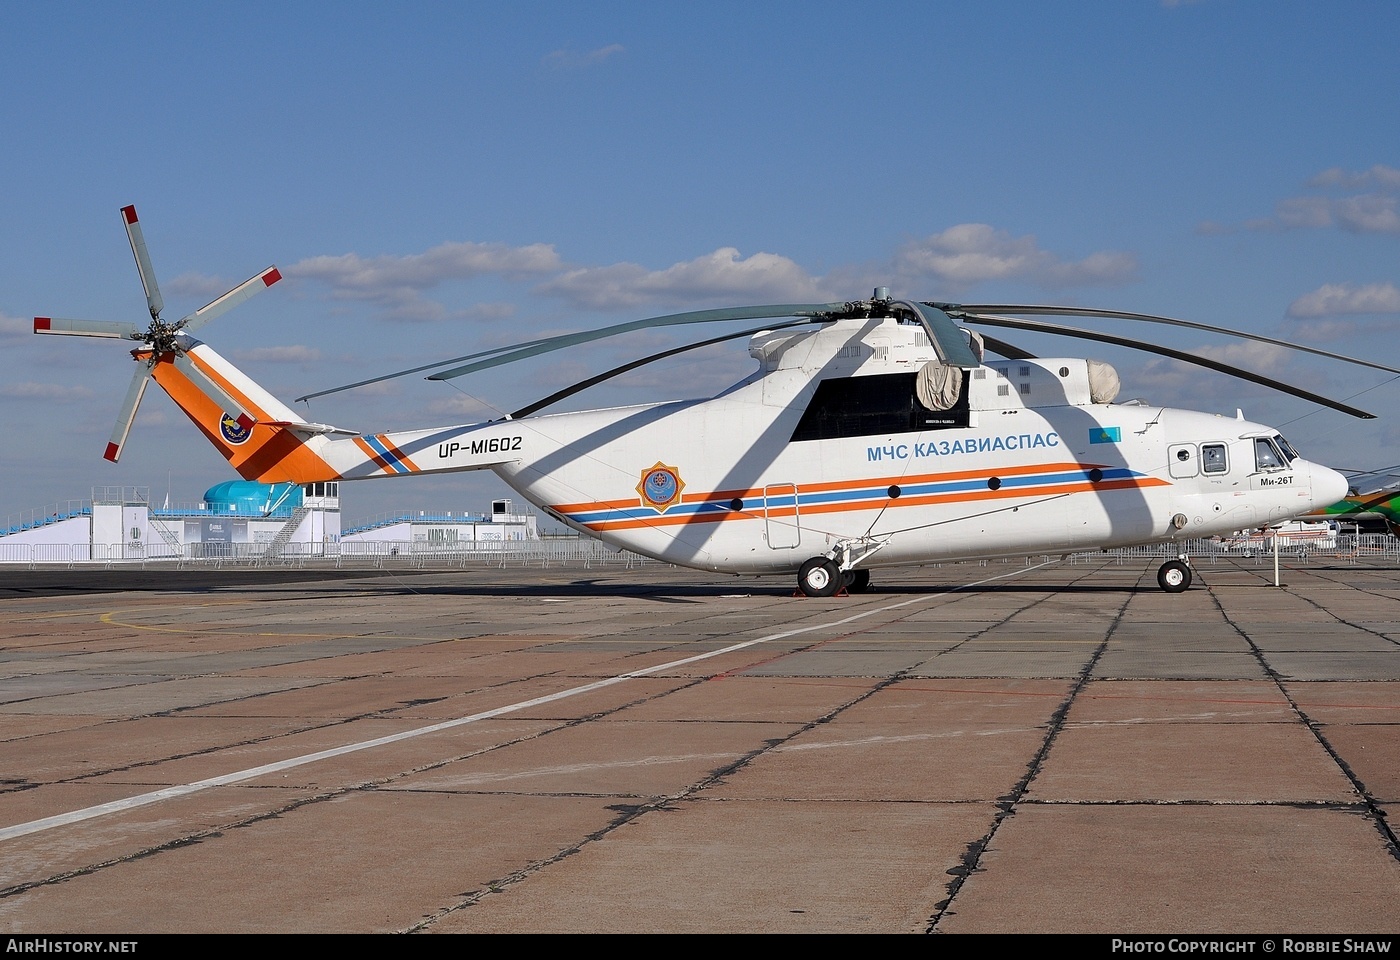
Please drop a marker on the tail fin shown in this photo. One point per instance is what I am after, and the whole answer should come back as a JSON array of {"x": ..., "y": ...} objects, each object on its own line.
[{"x": 279, "y": 446}]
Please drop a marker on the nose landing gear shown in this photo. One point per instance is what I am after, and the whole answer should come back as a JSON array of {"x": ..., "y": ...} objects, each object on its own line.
[
  {"x": 827, "y": 575},
  {"x": 1174, "y": 576}
]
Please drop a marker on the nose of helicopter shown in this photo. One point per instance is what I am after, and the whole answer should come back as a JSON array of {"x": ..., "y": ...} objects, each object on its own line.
[{"x": 1328, "y": 486}]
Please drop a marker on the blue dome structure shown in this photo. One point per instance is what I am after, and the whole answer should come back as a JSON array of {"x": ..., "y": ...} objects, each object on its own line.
[{"x": 250, "y": 498}]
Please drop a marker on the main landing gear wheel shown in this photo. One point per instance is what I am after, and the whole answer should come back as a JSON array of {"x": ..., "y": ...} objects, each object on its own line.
[
  {"x": 1174, "y": 576},
  {"x": 819, "y": 577},
  {"x": 857, "y": 581}
]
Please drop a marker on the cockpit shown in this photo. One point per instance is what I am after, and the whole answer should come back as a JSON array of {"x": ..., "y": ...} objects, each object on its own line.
[{"x": 1272, "y": 453}]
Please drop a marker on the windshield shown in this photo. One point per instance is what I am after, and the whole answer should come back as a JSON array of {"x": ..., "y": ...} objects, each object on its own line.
[
  {"x": 1266, "y": 457},
  {"x": 1288, "y": 452}
]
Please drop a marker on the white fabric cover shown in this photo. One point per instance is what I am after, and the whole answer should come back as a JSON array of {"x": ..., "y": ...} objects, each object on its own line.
[
  {"x": 1103, "y": 382},
  {"x": 938, "y": 385}
]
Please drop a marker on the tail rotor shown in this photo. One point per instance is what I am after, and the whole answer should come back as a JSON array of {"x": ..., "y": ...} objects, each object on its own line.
[{"x": 162, "y": 342}]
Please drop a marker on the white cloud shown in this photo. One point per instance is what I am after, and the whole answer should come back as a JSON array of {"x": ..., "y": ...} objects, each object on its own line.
[
  {"x": 12, "y": 328},
  {"x": 1177, "y": 382},
  {"x": 723, "y": 273},
  {"x": 356, "y": 277},
  {"x": 1377, "y": 176},
  {"x": 198, "y": 286},
  {"x": 971, "y": 253},
  {"x": 396, "y": 283},
  {"x": 1326, "y": 330},
  {"x": 960, "y": 256},
  {"x": 1376, "y": 211},
  {"x": 461, "y": 405},
  {"x": 1341, "y": 298},
  {"x": 573, "y": 60},
  {"x": 287, "y": 354},
  {"x": 1266, "y": 358},
  {"x": 52, "y": 392}
]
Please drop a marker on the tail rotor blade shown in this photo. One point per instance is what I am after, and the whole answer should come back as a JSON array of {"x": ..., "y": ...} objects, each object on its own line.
[
  {"x": 113, "y": 329},
  {"x": 246, "y": 289},
  {"x": 127, "y": 413},
  {"x": 143, "y": 261},
  {"x": 218, "y": 394}
]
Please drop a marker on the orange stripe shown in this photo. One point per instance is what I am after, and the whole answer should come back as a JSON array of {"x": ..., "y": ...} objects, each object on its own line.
[
  {"x": 271, "y": 454},
  {"x": 811, "y": 488},
  {"x": 374, "y": 456},
  {"x": 875, "y": 503}
]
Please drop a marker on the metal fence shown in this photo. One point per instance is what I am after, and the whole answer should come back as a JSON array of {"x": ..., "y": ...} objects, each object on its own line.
[
  {"x": 520, "y": 553},
  {"x": 1378, "y": 549},
  {"x": 1370, "y": 549}
]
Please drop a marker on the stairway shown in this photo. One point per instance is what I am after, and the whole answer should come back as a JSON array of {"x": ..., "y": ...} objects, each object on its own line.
[{"x": 284, "y": 536}]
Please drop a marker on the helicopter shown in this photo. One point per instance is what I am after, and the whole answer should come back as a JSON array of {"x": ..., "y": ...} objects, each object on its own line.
[
  {"x": 873, "y": 433},
  {"x": 1375, "y": 510}
]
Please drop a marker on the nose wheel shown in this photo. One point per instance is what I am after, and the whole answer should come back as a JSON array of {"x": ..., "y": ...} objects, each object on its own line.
[
  {"x": 823, "y": 577},
  {"x": 819, "y": 577},
  {"x": 1174, "y": 576}
]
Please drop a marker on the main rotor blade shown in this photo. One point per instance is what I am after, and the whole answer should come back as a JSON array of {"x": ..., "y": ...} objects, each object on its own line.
[
  {"x": 1007, "y": 350},
  {"x": 113, "y": 329},
  {"x": 126, "y": 413},
  {"x": 221, "y": 305},
  {"x": 228, "y": 403},
  {"x": 1238, "y": 372},
  {"x": 960, "y": 309},
  {"x": 143, "y": 261},
  {"x": 420, "y": 369},
  {"x": 582, "y": 385},
  {"x": 811, "y": 310},
  {"x": 947, "y": 339}
]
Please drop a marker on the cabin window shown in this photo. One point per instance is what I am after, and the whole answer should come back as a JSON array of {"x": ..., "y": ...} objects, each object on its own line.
[
  {"x": 873, "y": 406},
  {"x": 1266, "y": 455},
  {"x": 1213, "y": 458}
]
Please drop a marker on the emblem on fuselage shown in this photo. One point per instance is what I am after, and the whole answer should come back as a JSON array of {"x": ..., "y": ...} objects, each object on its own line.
[
  {"x": 661, "y": 487},
  {"x": 231, "y": 431}
]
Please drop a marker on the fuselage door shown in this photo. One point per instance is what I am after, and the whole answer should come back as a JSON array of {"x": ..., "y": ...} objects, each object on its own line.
[
  {"x": 780, "y": 515},
  {"x": 1182, "y": 462}
]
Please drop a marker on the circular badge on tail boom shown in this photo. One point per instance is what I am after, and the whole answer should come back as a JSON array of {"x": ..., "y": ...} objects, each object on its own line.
[
  {"x": 661, "y": 487},
  {"x": 232, "y": 431}
]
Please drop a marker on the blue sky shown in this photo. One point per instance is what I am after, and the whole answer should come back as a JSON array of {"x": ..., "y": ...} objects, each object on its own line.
[{"x": 432, "y": 178}]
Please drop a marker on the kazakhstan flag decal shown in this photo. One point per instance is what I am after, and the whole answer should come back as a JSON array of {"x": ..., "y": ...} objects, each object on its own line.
[{"x": 1104, "y": 435}]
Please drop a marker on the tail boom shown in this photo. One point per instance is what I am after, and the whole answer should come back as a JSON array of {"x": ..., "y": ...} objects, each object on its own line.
[{"x": 274, "y": 445}]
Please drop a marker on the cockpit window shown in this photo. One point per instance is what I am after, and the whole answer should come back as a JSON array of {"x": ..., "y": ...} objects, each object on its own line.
[
  {"x": 1266, "y": 455},
  {"x": 1213, "y": 458},
  {"x": 1289, "y": 453}
]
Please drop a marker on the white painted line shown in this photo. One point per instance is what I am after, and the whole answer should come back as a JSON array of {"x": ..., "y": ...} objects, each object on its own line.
[{"x": 169, "y": 793}]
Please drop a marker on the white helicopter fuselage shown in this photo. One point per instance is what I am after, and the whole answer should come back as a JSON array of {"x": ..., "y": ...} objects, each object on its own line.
[
  {"x": 872, "y": 434},
  {"x": 782, "y": 467}
]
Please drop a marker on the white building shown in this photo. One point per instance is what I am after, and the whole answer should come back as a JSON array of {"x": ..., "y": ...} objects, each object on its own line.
[{"x": 241, "y": 518}]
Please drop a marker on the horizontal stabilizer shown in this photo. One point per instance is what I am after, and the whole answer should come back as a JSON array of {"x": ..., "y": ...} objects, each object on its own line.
[{"x": 297, "y": 426}]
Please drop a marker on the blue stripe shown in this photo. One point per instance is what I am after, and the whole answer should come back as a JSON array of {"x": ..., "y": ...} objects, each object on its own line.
[
  {"x": 383, "y": 451},
  {"x": 877, "y": 491}
]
